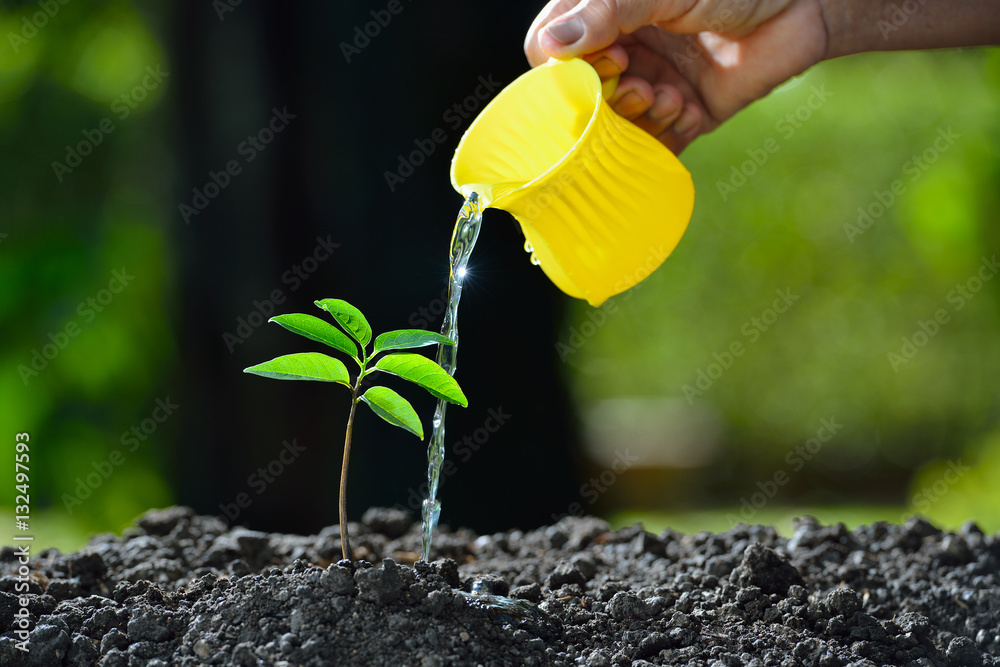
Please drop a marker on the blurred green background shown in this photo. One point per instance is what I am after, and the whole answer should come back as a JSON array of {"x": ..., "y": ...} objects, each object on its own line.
[
  {"x": 649, "y": 373},
  {"x": 864, "y": 285},
  {"x": 62, "y": 242}
]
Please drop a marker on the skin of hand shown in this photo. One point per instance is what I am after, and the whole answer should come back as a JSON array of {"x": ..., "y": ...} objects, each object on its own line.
[{"x": 686, "y": 66}]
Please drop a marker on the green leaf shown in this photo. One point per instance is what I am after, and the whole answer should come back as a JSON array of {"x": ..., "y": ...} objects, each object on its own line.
[
  {"x": 395, "y": 409},
  {"x": 318, "y": 330},
  {"x": 424, "y": 372},
  {"x": 303, "y": 366},
  {"x": 405, "y": 339},
  {"x": 350, "y": 318}
]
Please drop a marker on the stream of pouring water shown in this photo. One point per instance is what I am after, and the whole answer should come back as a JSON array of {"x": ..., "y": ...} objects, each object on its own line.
[{"x": 463, "y": 240}]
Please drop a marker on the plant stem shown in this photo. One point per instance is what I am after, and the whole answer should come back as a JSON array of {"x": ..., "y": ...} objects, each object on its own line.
[{"x": 345, "y": 538}]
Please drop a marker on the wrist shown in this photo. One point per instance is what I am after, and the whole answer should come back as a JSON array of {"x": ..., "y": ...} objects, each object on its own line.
[{"x": 847, "y": 24}]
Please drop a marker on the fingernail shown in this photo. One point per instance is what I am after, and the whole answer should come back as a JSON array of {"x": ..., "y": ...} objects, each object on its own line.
[
  {"x": 628, "y": 102},
  {"x": 685, "y": 123},
  {"x": 605, "y": 68},
  {"x": 663, "y": 107},
  {"x": 566, "y": 32}
]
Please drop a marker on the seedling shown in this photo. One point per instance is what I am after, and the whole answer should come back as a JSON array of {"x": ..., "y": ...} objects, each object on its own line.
[{"x": 383, "y": 401}]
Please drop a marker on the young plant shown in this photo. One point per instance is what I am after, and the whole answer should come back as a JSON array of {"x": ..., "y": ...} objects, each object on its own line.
[{"x": 386, "y": 403}]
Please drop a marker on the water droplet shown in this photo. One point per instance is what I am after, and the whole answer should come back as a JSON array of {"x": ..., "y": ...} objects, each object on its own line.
[
  {"x": 535, "y": 260},
  {"x": 527, "y": 246}
]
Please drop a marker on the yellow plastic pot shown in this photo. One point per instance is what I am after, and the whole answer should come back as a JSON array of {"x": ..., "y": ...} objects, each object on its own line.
[{"x": 600, "y": 201}]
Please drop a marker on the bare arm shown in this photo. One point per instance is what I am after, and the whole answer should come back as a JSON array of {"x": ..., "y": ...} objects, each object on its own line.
[{"x": 856, "y": 26}]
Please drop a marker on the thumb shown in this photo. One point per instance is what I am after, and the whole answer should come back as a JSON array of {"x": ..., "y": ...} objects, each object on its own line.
[{"x": 595, "y": 24}]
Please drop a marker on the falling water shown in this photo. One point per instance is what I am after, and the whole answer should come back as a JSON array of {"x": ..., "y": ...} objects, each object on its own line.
[
  {"x": 463, "y": 240},
  {"x": 518, "y": 613}
]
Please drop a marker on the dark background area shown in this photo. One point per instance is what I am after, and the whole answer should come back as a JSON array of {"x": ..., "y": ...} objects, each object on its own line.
[{"x": 324, "y": 177}]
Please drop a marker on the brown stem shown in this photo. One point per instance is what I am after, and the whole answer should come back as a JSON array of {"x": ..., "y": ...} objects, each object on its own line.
[{"x": 345, "y": 539}]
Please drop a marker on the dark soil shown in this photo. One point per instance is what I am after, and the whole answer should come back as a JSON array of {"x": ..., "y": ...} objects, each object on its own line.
[{"x": 182, "y": 589}]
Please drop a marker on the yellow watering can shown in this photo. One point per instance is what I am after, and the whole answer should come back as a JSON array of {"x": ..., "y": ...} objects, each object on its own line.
[{"x": 600, "y": 201}]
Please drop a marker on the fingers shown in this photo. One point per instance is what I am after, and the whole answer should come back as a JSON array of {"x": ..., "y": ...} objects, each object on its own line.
[
  {"x": 609, "y": 62},
  {"x": 660, "y": 110},
  {"x": 685, "y": 129},
  {"x": 667, "y": 106},
  {"x": 569, "y": 28},
  {"x": 632, "y": 98},
  {"x": 592, "y": 25},
  {"x": 600, "y": 31}
]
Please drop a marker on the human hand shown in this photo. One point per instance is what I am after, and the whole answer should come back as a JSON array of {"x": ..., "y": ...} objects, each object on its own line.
[{"x": 686, "y": 65}]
